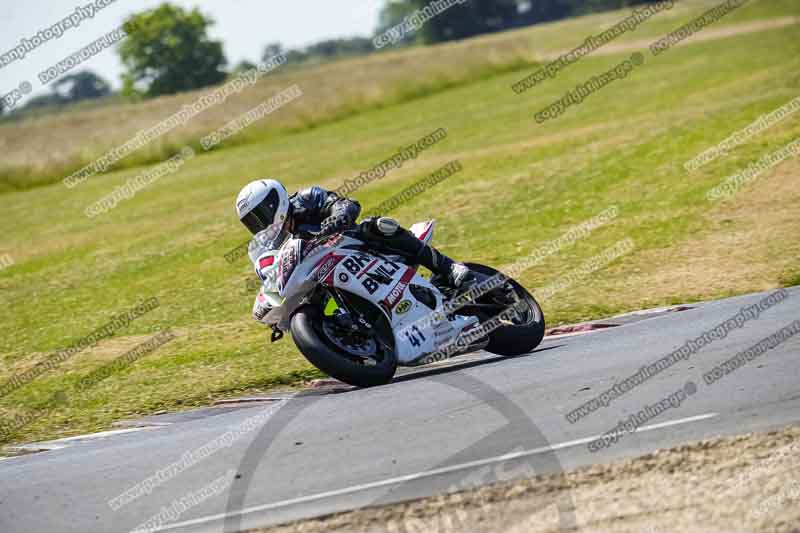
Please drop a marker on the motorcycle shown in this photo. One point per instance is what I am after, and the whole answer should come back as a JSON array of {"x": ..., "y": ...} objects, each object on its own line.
[{"x": 356, "y": 311}]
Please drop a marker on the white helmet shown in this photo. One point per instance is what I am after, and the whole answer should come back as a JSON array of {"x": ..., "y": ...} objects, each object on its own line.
[{"x": 261, "y": 204}]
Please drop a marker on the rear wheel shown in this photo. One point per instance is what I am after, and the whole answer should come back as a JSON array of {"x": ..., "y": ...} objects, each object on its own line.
[
  {"x": 344, "y": 347},
  {"x": 527, "y": 328}
]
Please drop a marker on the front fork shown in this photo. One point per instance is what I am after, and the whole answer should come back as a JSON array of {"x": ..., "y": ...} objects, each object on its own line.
[
  {"x": 350, "y": 317},
  {"x": 334, "y": 302}
]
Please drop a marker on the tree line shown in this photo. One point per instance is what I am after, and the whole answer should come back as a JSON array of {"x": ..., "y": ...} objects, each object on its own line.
[{"x": 476, "y": 17}]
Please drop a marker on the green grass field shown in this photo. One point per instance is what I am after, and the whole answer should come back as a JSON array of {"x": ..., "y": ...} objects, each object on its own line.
[{"x": 523, "y": 184}]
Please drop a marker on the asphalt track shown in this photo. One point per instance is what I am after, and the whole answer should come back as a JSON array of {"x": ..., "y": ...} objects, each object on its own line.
[{"x": 434, "y": 429}]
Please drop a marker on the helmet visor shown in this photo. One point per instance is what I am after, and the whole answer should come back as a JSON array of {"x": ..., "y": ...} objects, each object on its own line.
[{"x": 262, "y": 215}]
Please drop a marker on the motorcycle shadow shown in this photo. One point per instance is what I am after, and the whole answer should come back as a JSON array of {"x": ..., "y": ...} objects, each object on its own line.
[
  {"x": 419, "y": 372},
  {"x": 453, "y": 365}
]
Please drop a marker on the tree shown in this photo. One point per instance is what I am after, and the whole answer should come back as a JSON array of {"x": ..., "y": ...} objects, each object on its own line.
[
  {"x": 469, "y": 19},
  {"x": 580, "y": 7},
  {"x": 339, "y": 47},
  {"x": 292, "y": 56},
  {"x": 168, "y": 50},
  {"x": 81, "y": 85},
  {"x": 321, "y": 50},
  {"x": 549, "y": 10},
  {"x": 271, "y": 50},
  {"x": 243, "y": 66},
  {"x": 459, "y": 21},
  {"x": 52, "y": 99},
  {"x": 393, "y": 14}
]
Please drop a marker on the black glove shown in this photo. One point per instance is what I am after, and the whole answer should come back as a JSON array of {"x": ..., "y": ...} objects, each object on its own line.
[{"x": 334, "y": 224}]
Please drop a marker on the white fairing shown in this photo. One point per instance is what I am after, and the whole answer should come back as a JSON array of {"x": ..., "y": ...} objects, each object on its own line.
[
  {"x": 423, "y": 230},
  {"x": 379, "y": 280}
]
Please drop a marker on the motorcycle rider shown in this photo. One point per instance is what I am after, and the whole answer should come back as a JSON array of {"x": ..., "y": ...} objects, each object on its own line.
[{"x": 316, "y": 212}]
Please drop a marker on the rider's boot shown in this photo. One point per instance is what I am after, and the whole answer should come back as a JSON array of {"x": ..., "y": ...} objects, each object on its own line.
[{"x": 389, "y": 232}]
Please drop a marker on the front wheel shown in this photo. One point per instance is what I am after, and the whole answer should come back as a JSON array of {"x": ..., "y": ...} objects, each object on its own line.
[
  {"x": 527, "y": 330},
  {"x": 353, "y": 356}
]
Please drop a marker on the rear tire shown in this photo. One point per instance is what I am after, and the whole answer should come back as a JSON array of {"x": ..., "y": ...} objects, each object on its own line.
[
  {"x": 307, "y": 335},
  {"x": 517, "y": 339}
]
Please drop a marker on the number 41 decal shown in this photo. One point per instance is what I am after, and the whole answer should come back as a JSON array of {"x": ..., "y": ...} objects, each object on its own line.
[{"x": 413, "y": 339}]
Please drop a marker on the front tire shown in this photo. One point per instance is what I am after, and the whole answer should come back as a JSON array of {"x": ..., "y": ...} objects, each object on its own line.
[
  {"x": 310, "y": 337},
  {"x": 520, "y": 338}
]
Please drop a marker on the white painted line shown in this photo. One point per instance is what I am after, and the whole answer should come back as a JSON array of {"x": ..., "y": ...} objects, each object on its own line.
[
  {"x": 654, "y": 310},
  {"x": 579, "y": 333},
  {"x": 65, "y": 442},
  {"x": 102, "y": 434},
  {"x": 422, "y": 475}
]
